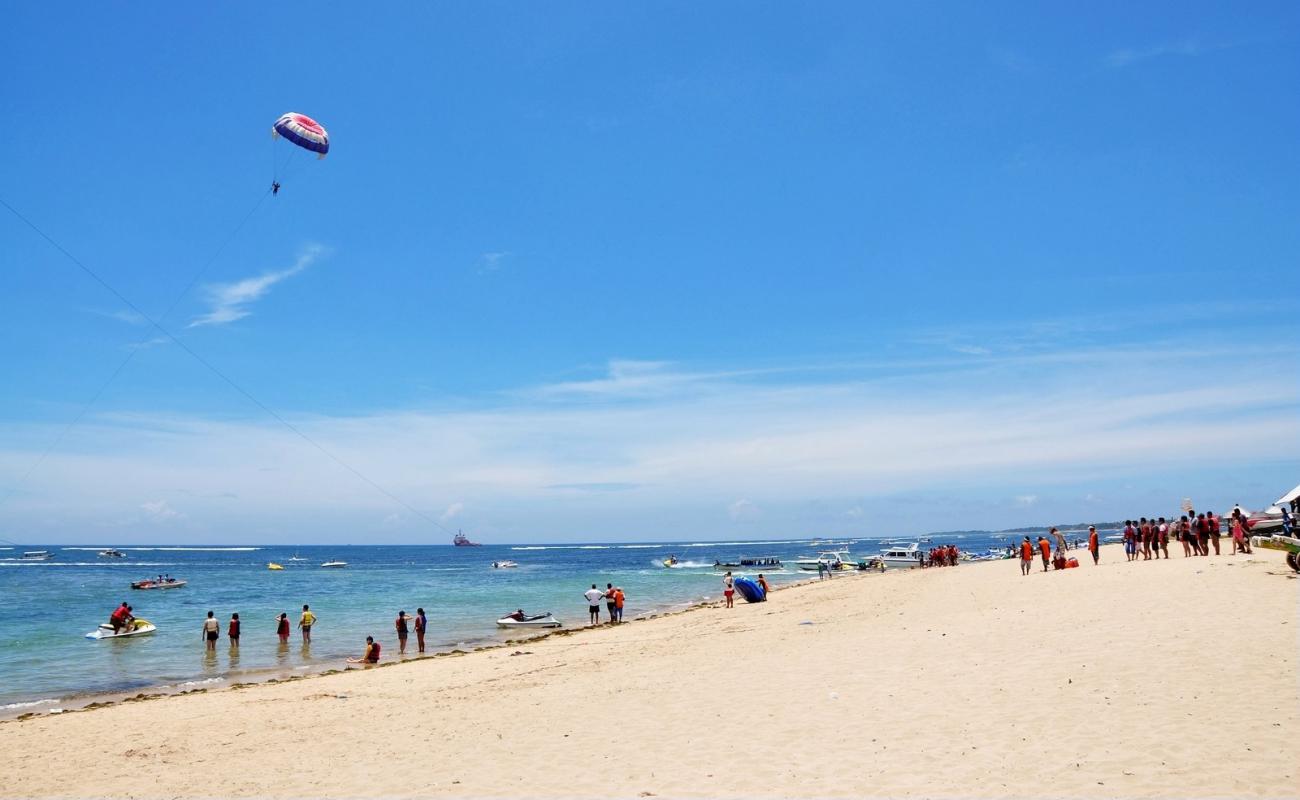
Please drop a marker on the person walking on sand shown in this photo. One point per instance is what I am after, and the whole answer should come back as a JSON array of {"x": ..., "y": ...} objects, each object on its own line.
[
  {"x": 305, "y": 622},
  {"x": 611, "y": 604},
  {"x": 211, "y": 631},
  {"x": 593, "y": 596},
  {"x": 1026, "y": 556},
  {"x": 1094, "y": 546},
  {"x": 421, "y": 625},
  {"x": 402, "y": 631},
  {"x": 729, "y": 589},
  {"x": 1045, "y": 547},
  {"x": 282, "y": 627},
  {"x": 233, "y": 630}
]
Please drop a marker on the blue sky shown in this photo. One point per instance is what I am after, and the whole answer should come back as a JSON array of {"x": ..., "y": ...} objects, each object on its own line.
[{"x": 659, "y": 271}]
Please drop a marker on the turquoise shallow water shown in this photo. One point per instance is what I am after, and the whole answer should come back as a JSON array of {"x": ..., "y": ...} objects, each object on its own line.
[{"x": 49, "y": 606}]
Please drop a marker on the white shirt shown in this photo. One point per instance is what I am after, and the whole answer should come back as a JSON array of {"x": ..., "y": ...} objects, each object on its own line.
[
  {"x": 210, "y": 624},
  {"x": 593, "y": 596}
]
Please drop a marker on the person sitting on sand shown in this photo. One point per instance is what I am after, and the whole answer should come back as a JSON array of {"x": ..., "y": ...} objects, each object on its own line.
[{"x": 371, "y": 656}]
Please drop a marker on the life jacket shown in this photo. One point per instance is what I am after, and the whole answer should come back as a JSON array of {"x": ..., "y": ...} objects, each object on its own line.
[
  {"x": 374, "y": 653},
  {"x": 119, "y": 614},
  {"x": 283, "y": 627},
  {"x": 234, "y": 628},
  {"x": 401, "y": 624}
]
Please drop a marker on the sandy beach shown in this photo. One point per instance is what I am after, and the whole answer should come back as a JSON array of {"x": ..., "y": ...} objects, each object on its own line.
[{"x": 1151, "y": 679}]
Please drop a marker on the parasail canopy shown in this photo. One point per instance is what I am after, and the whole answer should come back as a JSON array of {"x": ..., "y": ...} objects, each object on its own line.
[{"x": 303, "y": 131}]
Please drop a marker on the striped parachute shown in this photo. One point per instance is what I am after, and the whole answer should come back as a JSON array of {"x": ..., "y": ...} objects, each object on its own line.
[{"x": 303, "y": 131}]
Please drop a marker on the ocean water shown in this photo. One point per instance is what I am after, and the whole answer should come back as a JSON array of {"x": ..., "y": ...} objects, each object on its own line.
[{"x": 48, "y": 607}]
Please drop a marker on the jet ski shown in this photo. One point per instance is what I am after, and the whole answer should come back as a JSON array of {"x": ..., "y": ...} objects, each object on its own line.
[
  {"x": 138, "y": 627},
  {"x": 504, "y": 565},
  {"x": 670, "y": 562},
  {"x": 546, "y": 620}
]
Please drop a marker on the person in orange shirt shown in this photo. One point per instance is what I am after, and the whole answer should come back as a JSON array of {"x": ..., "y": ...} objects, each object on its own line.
[
  {"x": 1094, "y": 546},
  {"x": 618, "y": 603},
  {"x": 1045, "y": 547},
  {"x": 1026, "y": 556}
]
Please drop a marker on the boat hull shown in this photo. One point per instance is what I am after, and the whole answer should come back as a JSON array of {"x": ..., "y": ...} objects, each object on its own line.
[
  {"x": 522, "y": 624},
  {"x": 106, "y": 631}
]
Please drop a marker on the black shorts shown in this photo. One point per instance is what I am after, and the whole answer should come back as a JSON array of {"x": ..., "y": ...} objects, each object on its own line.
[
  {"x": 213, "y": 636},
  {"x": 593, "y": 609},
  {"x": 401, "y": 636}
]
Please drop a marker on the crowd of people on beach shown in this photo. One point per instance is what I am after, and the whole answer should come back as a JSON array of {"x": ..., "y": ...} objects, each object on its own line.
[
  {"x": 612, "y": 596},
  {"x": 945, "y": 555}
]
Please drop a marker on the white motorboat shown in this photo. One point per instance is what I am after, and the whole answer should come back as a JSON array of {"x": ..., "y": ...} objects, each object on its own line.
[
  {"x": 902, "y": 556},
  {"x": 138, "y": 628},
  {"x": 36, "y": 555},
  {"x": 546, "y": 620},
  {"x": 335, "y": 564},
  {"x": 165, "y": 583},
  {"x": 504, "y": 565},
  {"x": 831, "y": 559},
  {"x": 111, "y": 553}
]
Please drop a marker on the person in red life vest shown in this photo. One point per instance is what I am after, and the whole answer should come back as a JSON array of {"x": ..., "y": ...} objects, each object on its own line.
[
  {"x": 1129, "y": 533},
  {"x": 233, "y": 630},
  {"x": 371, "y": 656},
  {"x": 1144, "y": 534},
  {"x": 421, "y": 625},
  {"x": 1058, "y": 561},
  {"x": 1026, "y": 556},
  {"x": 1201, "y": 527},
  {"x": 118, "y": 618},
  {"x": 282, "y": 628},
  {"x": 1213, "y": 523},
  {"x": 1045, "y": 548},
  {"x": 402, "y": 631}
]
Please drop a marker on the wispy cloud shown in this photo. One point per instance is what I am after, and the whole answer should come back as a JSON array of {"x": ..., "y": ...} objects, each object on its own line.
[
  {"x": 454, "y": 510},
  {"x": 230, "y": 301},
  {"x": 159, "y": 511},
  {"x": 1026, "y": 500},
  {"x": 743, "y": 510},
  {"x": 491, "y": 262},
  {"x": 1128, "y": 56}
]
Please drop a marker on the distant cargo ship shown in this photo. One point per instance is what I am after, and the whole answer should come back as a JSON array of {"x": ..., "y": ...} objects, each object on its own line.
[{"x": 460, "y": 540}]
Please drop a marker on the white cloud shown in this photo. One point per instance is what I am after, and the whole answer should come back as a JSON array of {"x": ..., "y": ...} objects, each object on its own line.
[
  {"x": 855, "y": 513},
  {"x": 491, "y": 262},
  {"x": 743, "y": 510},
  {"x": 159, "y": 511},
  {"x": 1026, "y": 500},
  {"x": 1187, "y": 47},
  {"x": 452, "y": 512},
  {"x": 230, "y": 301}
]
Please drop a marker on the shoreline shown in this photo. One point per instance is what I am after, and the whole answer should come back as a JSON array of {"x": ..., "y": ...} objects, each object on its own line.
[{"x": 89, "y": 701}]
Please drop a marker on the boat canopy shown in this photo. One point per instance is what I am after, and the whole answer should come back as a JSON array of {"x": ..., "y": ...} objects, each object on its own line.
[{"x": 1289, "y": 497}]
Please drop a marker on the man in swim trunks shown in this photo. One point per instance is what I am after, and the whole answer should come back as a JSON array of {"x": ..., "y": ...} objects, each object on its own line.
[
  {"x": 729, "y": 588},
  {"x": 307, "y": 620},
  {"x": 593, "y": 596},
  {"x": 1026, "y": 556}
]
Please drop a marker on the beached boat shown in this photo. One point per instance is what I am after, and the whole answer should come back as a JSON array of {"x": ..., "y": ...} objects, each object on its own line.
[
  {"x": 167, "y": 583},
  {"x": 334, "y": 564},
  {"x": 36, "y": 555},
  {"x": 546, "y": 620},
  {"x": 274, "y": 567},
  {"x": 830, "y": 559},
  {"x": 902, "y": 556},
  {"x": 748, "y": 562},
  {"x": 461, "y": 540},
  {"x": 111, "y": 553},
  {"x": 139, "y": 627},
  {"x": 504, "y": 565}
]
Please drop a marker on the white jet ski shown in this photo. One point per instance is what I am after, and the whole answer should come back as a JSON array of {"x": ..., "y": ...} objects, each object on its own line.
[
  {"x": 546, "y": 620},
  {"x": 139, "y": 628}
]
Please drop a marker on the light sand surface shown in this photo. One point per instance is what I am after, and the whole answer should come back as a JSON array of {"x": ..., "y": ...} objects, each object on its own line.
[{"x": 1154, "y": 679}]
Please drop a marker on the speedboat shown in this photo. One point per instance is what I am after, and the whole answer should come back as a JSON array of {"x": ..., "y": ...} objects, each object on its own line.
[
  {"x": 274, "y": 567},
  {"x": 153, "y": 583},
  {"x": 902, "y": 556},
  {"x": 111, "y": 553},
  {"x": 139, "y": 627},
  {"x": 546, "y": 620},
  {"x": 36, "y": 555},
  {"x": 829, "y": 559},
  {"x": 335, "y": 564},
  {"x": 504, "y": 565}
]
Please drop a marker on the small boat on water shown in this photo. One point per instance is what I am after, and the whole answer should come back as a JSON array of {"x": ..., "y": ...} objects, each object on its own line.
[
  {"x": 504, "y": 565},
  {"x": 334, "y": 564},
  {"x": 747, "y": 562},
  {"x": 831, "y": 559},
  {"x": 296, "y": 557},
  {"x": 111, "y": 553},
  {"x": 546, "y": 620},
  {"x": 36, "y": 555},
  {"x": 138, "y": 627},
  {"x": 902, "y": 556},
  {"x": 274, "y": 567},
  {"x": 154, "y": 583}
]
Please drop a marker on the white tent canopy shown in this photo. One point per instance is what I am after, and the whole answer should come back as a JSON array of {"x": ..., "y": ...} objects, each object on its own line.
[{"x": 1288, "y": 497}]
